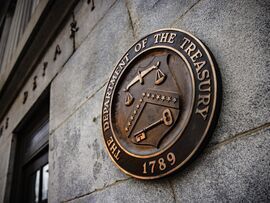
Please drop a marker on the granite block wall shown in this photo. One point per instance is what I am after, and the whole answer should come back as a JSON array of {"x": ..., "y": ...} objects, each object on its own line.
[{"x": 234, "y": 166}]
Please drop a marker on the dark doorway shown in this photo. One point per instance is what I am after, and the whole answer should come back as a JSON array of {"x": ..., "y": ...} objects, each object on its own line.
[{"x": 31, "y": 167}]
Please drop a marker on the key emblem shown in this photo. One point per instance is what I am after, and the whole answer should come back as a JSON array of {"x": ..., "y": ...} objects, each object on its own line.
[{"x": 167, "y": 119}]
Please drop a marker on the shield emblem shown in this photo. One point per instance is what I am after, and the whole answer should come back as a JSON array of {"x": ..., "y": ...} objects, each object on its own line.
[{"x": 156, "y": 111}]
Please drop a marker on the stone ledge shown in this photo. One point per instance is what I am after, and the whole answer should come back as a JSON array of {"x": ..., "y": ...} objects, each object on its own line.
[
  {"x": 132, "y": 191},
  {"x": 233, "y": 172}
]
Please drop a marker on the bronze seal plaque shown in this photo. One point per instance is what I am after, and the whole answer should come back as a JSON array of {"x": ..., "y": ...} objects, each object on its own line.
[{"x": 160, "y": 104}]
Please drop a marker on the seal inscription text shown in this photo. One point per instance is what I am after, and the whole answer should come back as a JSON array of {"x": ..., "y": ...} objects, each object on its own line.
[{"x": 160, "y": 104}]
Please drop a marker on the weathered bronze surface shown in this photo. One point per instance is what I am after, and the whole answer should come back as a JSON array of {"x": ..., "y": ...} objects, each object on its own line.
[{"x": 160, "y": 104}]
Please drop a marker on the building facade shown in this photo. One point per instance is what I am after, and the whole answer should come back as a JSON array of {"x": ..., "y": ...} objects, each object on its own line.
[{"x": 56, "y": 58}]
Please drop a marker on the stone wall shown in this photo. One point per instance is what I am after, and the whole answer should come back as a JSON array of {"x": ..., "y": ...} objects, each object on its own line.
[{"x": 235, "y": 166}]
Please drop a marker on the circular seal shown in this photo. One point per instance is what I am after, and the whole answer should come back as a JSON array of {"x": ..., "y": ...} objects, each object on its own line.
[{"x": 160, "y": 104}]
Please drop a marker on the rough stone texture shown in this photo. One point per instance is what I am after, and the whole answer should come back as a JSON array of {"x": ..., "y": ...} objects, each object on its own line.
[
  {"x": 66, "y": 45},
  {"x": 18, "y": 109},
  {"x": 4, "y": 161},
  {"x": 156, "y": 14},
  {"x": 2, "y": 188},
  {"x": 235, "y": 172},
  {"x": 87, "y": 19},
  {"x": 91, "y": 65},
  {"x": 4, "y": 152},
  {"x": 132, "y": 191},
  {"x": 237, "y": 33},
  {"x": 78, "y": 160}
]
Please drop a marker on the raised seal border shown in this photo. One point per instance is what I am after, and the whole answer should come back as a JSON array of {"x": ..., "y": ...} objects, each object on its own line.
[{"x": 213, "y": 112}]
